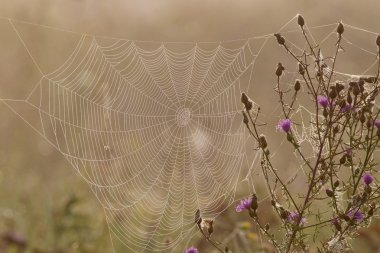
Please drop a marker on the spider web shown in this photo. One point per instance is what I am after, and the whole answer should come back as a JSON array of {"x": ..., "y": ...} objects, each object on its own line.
[{"x": 155, "y": 128}]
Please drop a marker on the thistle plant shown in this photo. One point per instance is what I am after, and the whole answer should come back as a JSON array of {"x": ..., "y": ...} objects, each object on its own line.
[{"x": 341, "y": 174}]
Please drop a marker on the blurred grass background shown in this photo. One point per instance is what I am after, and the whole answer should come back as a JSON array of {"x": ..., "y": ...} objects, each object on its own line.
[{"x": 44, "y": 205}]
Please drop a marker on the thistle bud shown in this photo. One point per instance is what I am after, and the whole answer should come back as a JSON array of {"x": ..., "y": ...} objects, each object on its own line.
[
  {"x": 297, "y": 85},
  {"x": 210, "y": 227},
  {"x": 329, "y": 193},
  {"x": 263, "y": 142},
  {"x": 340, "y": 28},
  {"x": 280, "y": 39},
  {"x": 336, "y": 129},
  {"x": 349, "y": 98},
  {"x": 246, "y": 101},
  {"x": 333, "y": 94},
  {"x": 362, "y": 118},
  {"x": 279, "y": 69},
  {"x": 226, "y": 249},
  {"x": 339, "y": 87},
  {"x": 336, "y": 183},
  {"x": 378, "y": 41},
  {"x": 342, "y": 159},
  {"x": 254, "y": 204},
  {"x": 301, "y": 21},
  {"x": 267, "y": 227},
  {"x": 284, "y": 214},
  {"x": 245, "y": 118},
  {"x": 301, "y": 69},
  {"x": 356, "y": 89}
]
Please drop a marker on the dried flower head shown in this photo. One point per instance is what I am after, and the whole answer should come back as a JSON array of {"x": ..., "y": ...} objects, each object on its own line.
[
  {"x": 367, "y": 178},
  {"x": 192, "y": 250},
  {"x": 244, "y": 204},
  {"x": 285, "y": 125}
]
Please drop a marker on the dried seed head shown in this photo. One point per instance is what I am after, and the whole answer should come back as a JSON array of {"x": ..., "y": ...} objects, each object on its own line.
[
  {"x": 280, "y": 39},
  {"x": 301, "y": 20},
  {"x": 378, "y": 41},
  {"x": 340, "y": 28},
  {"x": 263, "y": 141},
  {"x": 279, "y": 69},
  {"x": 246, "y": 101},
  {"x": 244, "y": 98},
  {"x": 297, "y": 85},
  {"x": 301, "y": 69}
]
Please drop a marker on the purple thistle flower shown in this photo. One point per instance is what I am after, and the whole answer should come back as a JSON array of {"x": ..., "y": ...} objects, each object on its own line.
[
  {"x": 367, "y": 178},
  {"x": 323, "y": 101},
  {"x": 346, "y": 108},
  {"x": 244, "y": 204},
  {"x": 285, "y": 125},
  {"x": 294, "y": 216},
  {"x": 192, "y": 250},
  {"x": 377, "y": 123},
  {"x": 358, "y": 215}
]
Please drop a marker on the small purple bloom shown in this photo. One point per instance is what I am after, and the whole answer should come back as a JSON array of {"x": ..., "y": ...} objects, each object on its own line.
[
  {"x": 192, "y": 250},
  {"x": 323, "y": 101},
  {"x": 349, "y": 152},
  {"x": 335, "y": 221},
  {"x": 294, "y": 216},
  {"x": 367, "y": 178},
  {"x": 377, "y": 123},
  {"x": 358, "y": 215},
  {"x": 244, "y": 204},
  {"x": 285, "y": 125},
  {"x": 346, "y": 108}
]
